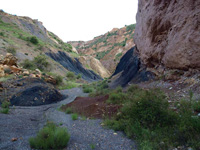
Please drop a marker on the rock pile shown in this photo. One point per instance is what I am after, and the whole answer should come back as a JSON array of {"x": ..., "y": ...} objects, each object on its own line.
[{"x": 8, "y": 66}]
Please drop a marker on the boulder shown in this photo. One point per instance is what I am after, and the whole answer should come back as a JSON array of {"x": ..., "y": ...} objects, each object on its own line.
[
  {"x": 167, "y": 33},
  {"x": 2, "y": 73},
  {"x": 32, "y": 92},
  {"x": 10, "y": 60}
]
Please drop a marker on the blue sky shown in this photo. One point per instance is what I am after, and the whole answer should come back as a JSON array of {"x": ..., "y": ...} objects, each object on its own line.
[{"x": 74, "y": 20}]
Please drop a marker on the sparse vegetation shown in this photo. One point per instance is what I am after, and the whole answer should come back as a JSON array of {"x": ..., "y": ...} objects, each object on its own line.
[
  {"x": 11, "y": 49},
  {"x": 100, "y": 55},
  {"x": 5, "y": 107},
  {"x": 68, "y": 85},
  {"x": 79, "y": 76},
  {"x": 70, "y": 75},
  {"x": 146, "y": 117},
  {"x": 118, "y": 56},
  {"x": 50, "y": 137},
  {"x": 74, "y": 116},
  {"x": 40, "y": 62},
  {"x": 69, "y": 110},
  {"x": 130, "y": 27}
]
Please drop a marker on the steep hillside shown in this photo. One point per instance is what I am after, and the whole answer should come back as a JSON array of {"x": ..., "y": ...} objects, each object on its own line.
[
  {"x": 27, "y": 38},
  {"x": 108, "y": 48}
]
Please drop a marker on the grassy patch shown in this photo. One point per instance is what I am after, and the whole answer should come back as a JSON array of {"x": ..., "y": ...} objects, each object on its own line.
[
  {"x": 68, "y": 85},
  {"x": 5, "y": 107},
  {"x": 74, "y": 116},
  {"x": 70, "y": 75},
  {"x": 50, "y": 137},
  {"x": 68, "y": 110},
  {"x": 40, "y": 62}
]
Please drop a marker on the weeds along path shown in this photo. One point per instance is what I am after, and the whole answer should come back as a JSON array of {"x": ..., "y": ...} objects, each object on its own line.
[{"x": 25, "y": 122}]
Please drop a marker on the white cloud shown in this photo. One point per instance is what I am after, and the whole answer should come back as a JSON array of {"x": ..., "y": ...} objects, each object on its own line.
[{"x": 76, "y": 19}]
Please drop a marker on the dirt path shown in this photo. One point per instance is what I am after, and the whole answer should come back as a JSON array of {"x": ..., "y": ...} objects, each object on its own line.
[{"x": 24, "y": 122}]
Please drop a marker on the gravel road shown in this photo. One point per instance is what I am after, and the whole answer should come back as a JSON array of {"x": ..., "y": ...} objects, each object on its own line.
[{"x": 24, "y": 122}]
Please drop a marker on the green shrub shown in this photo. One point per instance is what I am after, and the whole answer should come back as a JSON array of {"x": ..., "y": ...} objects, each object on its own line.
[
  {"x": 50, "y": 137},
  {"x": 79, "y": 76},
  {"x": 2, "y": 34},
  {"x": 70, "y": 75},
  {"x": 116, "y": 98},
  {"x": 5, "y": 110},
  {"x": 68, "y": 110},
  {"x": 27, "y": 64},
  {"x": 34, "y": 40},
  {"x": 5, "y": 107},
  {"x": 87, "y": 90},
  {"x": 11, "y": 49},
  {"x": 68, "y": 85},
  {"x": 74, "y": 116},
  {"x": 59, "y": 79},
  {"x": 41, "y": 62},
  {"x": 145, "y": 116},
  {"x": 196, "y": 106}
]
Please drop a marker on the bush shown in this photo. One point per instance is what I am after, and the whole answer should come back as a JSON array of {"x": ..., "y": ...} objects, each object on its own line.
[
  {"x": 87, "y": 89},
  {"x": 5, "y": 107},
  {"x": 68, "y": 85},
  {"x": 146, "y": 117},
  {"x": 50, "y": 137},
  {"x": 68, "y": 110},
  {"x": 116, "y": 98},
  {"x": 41, "y": 62},
  {"x": 5, "y": 110},
  {"x": 74, "y": 116},
  {"x": 34, "y": 40},
  {"x": 59, "y": 79},
  {"x": 70, "y": 75},
  {"x": 27, "y": 64},
  {"x": 11, "y": 50},
  {"x": 79, "y": 76}
]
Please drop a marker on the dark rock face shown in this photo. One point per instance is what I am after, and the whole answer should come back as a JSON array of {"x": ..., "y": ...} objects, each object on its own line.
[
  {"x": 31, "y": 92},
  {"x": 167, "y": 33},
  {"x": 129, "y": 69},
  {"x": 74, "y": 66}
]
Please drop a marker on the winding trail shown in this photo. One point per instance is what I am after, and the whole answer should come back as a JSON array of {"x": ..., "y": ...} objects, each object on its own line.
[{"x": 24, "y": 122}]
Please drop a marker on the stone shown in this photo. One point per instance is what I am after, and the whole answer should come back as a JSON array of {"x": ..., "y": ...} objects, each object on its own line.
[
  {"x": 38, "y": 71},
  {"x": 32, "y": 75},
  {"x": 10, "y": 60},
  {"x": 167, "y": 33},
  {"x": 2, "y": 73},
  {"x": 26, "y": 72}
]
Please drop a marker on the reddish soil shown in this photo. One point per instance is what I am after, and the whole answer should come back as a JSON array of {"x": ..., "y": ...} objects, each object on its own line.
[{"x": 92, "y": 107}]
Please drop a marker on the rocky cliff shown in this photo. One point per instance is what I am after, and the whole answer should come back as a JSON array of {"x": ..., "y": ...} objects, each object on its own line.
[
  {"x": 109, "y": 47},
  {"x": 167, "y": 34}
]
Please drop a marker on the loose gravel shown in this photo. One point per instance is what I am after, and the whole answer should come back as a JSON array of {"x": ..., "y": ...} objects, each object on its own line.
[{"x": 24, "y": 122}]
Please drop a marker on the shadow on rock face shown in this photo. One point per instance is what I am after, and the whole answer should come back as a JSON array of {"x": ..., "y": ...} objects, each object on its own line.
[
  {"x": 31, "y": 92},
  {"x": 129, "y": 69}
]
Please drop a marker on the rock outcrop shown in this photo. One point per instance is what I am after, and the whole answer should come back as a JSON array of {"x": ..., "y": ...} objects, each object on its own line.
[
  {"x": 74, "y": 65},
  {"x": 129, "y": 70},
  {"x": 167, "y": 33},
  {"x": 92, "y": 63},
  {"x": 30, "y": 92}
]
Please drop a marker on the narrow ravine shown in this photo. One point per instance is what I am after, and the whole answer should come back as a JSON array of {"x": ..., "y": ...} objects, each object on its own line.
[{"x": 24, "y": 122}]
